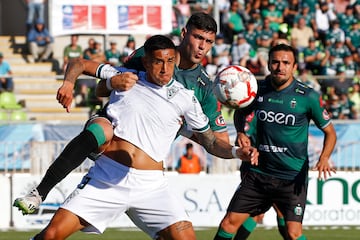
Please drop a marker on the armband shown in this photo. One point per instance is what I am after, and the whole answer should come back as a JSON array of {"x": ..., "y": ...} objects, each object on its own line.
[
  {"x": 105, "y": 71},
  {"x": 108, "y": 84},
  {"x": 233, "y": 151}
]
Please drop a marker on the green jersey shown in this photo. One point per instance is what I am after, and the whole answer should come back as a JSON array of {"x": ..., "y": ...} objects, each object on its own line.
[
  {"x": 195, "y": 79},
  {"x": 282, "y": 123}
]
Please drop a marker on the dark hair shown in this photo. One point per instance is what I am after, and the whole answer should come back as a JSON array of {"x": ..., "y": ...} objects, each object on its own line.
[
  {"x": 189, "y": 145},
  {"x": 158, "y": 42},
  {"x": 286, "y": 48},
  {"x": 202, "y": 21}
]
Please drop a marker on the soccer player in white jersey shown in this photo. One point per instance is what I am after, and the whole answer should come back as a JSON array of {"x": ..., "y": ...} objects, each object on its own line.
[
  {"x": 128, "y": 177},
  {"x": 197, "y": 39}
]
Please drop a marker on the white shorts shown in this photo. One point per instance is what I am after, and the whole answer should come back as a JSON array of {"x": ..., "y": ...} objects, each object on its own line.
[{"x": 111, "y": 189}]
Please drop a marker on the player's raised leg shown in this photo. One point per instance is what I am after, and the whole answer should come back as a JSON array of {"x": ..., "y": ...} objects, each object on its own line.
[{"x": 96, "y": 135}]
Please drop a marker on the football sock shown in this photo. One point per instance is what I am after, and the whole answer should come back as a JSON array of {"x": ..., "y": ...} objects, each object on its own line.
[
  {"x": 71, "y": 157},
  {"x": 223, "y": 235},
  {"x": 302, "y": 237},
  {"x": 282, "y": 228},
  {"x": 245, "y": 229}
]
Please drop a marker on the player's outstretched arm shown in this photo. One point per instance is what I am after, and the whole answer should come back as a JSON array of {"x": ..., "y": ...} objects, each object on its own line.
[
  {"x": 324, "y": 166},
  {"x": 223, "y": 149}
]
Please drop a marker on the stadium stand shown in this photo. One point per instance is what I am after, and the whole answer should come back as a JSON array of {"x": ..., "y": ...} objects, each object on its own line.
[{"x": 36, "y": 85}]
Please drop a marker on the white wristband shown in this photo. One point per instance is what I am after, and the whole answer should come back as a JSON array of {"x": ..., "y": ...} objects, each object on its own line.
[
  {"x": 108, "y": 84},
  {"x": 233, "y": 151}
]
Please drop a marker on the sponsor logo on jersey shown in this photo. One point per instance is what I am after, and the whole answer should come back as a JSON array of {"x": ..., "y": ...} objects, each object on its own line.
[
  {"x": 279, "y": 117},
  {"x": 325, "y": 115},
  {"x": 172, "y": 91},
  {"x": 220, "y": 121},
  {"x": 270, "y": 148},
  {"x": 278, "y": 101}
]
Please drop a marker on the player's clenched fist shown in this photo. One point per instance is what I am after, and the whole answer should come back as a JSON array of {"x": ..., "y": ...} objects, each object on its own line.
[
  {"x": 124, "y": 81},
  {"x": 65, "y": 94},
  {"x": 248, "y": 153}
]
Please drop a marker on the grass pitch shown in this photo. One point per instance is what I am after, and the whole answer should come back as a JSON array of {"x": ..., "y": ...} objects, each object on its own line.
[{"x": 312, "y": 233}]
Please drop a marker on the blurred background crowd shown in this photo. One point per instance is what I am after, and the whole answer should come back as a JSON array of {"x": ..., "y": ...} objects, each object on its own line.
[{"x": 326, "y": 34}]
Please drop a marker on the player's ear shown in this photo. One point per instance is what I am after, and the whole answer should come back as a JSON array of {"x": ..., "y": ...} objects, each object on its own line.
[{"x": 183, "y": 32}]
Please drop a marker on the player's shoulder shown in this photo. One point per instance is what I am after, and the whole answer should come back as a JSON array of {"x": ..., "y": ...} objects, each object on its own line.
[{"x": 304, "y": 89}]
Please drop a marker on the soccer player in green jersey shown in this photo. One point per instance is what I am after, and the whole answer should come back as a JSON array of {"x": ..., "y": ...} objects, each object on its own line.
[
  {"x": 198, "y": 37},
  {"x": 283, "y": 108}
]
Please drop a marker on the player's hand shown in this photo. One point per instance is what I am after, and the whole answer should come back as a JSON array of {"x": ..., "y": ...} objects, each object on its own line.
[
  {"x": 65, "y": 95},
  {"x": 243, "y": 140},
  {"x": 249, "y": 154},
  {"x": 324, "y": 167},
  {"x": 124, "y": 81}
]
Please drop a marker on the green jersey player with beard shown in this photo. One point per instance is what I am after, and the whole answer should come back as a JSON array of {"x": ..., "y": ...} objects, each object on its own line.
[{"x": 284, "y": 108}]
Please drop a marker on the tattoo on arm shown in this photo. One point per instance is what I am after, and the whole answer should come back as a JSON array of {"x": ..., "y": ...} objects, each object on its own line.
[
  {"x": 73, "y": 70},
  {"x": 213, "y": 145}
]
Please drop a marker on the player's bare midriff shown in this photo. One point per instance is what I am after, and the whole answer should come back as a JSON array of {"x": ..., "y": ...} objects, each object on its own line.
[{"x": 129, "y": 155}]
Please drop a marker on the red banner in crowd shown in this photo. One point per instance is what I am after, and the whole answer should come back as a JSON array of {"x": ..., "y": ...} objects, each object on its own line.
[{"x": 110, "y": 17}]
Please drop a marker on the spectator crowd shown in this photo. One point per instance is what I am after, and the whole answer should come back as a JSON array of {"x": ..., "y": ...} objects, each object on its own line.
[{"x": 326, "y": 34}]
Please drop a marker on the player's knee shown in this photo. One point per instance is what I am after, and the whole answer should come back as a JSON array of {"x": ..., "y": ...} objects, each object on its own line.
[
  {"x": 106, "y": 127},
  {"x": 229, "y": 225},
  {"x": 102, "y": 129},
  {"x": 178, "y": 230},
  {"x": 50, "y": 233},
  {"x": 294, "y": 233}
]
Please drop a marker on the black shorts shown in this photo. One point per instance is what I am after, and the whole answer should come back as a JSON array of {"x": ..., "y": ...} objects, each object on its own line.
[{"x": 258, "y": 192}]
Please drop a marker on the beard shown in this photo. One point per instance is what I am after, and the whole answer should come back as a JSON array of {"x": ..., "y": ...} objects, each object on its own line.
[{"x": 278, "y": 82}]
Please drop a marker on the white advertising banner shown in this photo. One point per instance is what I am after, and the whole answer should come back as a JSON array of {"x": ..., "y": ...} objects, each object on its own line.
[
  {"x": 110, "y": 17},
  {"x": 205, "y": 197}
]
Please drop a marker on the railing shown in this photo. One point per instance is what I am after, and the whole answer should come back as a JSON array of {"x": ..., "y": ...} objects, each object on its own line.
[{"x": 35, "y": 158}]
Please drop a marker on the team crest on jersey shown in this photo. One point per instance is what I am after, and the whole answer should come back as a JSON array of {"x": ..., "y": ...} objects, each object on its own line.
[
  {"x": 199, "y": 80},
  {"x": 260, "y": 99},
  {"x": 172, "y": 91},
  {"x": 298, "y": 210},
  {"x": 293, "y": 103},
  {"x": 220, "y": 121},
  {"x": 325, "y": 115}
]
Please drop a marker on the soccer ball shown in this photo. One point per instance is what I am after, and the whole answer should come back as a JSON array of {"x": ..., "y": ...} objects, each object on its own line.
[{"x": 235, "y": 87}]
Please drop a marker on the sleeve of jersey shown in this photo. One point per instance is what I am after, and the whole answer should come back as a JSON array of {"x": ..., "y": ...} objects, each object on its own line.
[
  {"x": 319, "y": 114},
  {"x": 212, "y": 109},
  {"x": 195, "y": 117}
]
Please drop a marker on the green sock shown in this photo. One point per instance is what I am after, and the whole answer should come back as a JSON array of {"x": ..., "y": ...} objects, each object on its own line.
[
  {"x": 302, "y": 237},
  {"x": 223, "y": 235},
  {"x": 98, "y": 133},
  {"x": 245, "y": 229}
]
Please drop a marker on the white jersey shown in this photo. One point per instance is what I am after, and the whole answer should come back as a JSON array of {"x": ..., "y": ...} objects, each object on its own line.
[{"x": 149, "y": 115}]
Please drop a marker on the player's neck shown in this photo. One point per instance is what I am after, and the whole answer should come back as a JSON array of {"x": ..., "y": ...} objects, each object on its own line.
[{"x": 183, "y": 62}]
